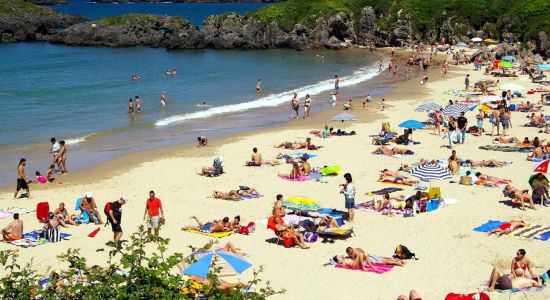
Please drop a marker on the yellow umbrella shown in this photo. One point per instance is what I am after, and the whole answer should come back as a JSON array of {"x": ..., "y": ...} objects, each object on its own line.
[{"x": 490, "y": 41}]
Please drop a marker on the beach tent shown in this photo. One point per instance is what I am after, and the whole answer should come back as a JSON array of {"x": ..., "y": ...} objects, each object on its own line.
[
  {"x": 476, "y": 39},
  {"x": 412, "y": 124},
  {"x": 225, "y": 264},
  {"x": 428, "y": 106},
  {"x": 301, "y": 204},
  {"x": 454, "y": 110}
]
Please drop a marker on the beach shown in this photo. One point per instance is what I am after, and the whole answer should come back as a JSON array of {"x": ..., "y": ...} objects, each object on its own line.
[{"x": 452, "y": 257}]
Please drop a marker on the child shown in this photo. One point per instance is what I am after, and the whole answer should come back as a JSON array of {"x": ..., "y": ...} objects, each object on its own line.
[
  {"x": 40, "y": 178},
  {"x": 49, "y": 173},
  {"x": 382, "y": 105}
]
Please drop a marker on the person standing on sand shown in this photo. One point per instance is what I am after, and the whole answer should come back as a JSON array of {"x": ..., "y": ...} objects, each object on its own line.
[
  {"x": 380, "y": 66},
  {"x": 22, "y": 182},
  {"x": 445, "y": 68},
  {"x": 462, "y": 123},
  {"x": 163, "y": 98},
  {"x": 115, "y": 218},
  {"x": 307, "y": 106},
  {"x": 259, "y": 86},
  {"x": 154, "y": 214},
  {"x": 295, "y": 107},
  {"x": 336, "y": 84},
  {"x": 451, "y": 130},
  {"x": 348, "y": 190},
  {"x": 467, "y": 82},
  {"x": 494, "y": 119},
  {"x": 62, "y": 157},
  {"x": 138, "y": 104},
  {"x": 130, "y": 107}
]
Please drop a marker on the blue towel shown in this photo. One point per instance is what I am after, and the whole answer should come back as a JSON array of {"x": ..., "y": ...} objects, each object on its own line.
[
  {"x": 35, "y": 236},
  {"x": 543, "y": 237},
  {"x": 489, "y": 226},
  {"x": 300, "y": 154}
]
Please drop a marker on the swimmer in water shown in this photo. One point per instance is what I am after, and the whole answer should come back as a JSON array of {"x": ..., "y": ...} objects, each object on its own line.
[
  {"x": 130, "y": 106},
  {"x": 163, "y": 98},
  {"x": 259, "y": 86},
  {"x": 138, "y": 104},
  {"x": 174, "y": 72},
  {"x": 204, "y": 104},
  {"x": 136, "y": 77},
  {"x": 168, "y": 73}
]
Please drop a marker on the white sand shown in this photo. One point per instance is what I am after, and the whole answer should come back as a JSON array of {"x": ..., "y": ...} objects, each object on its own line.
[{"x": 453, "y": 258}]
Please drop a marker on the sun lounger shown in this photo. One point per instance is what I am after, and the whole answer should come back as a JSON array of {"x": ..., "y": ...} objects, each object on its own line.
[{"x": 287, "y": 242}]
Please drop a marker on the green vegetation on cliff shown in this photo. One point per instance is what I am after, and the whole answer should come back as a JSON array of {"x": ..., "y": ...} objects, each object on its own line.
[
  {"x": 18, "y": 8},
  {"x": 522, "y": 17},
  {"x": 134, "y": 19}
]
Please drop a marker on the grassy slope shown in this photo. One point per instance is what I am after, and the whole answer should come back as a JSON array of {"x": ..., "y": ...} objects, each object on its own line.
[
  {"x": 133, "y": 19},
  {"x": 19, "y": 7},
  {"x": 528, "y": 16}
]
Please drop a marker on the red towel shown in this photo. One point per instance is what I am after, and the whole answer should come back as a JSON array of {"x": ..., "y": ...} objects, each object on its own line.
[{"x": 93, "y": 233}]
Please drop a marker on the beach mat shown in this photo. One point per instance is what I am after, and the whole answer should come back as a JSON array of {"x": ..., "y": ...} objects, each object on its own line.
[
  {"x": 312, "y": 176},
  {"x": 380, "y": 269},
  {"x": 490, "y": 225},
  {"x": 218, "y": 235},
  {"x": 536, "y": 232},
  {"x": 384, "y": 191},
  {"x": 502, "y": 148},
  {"x": 32, "y": 239}
]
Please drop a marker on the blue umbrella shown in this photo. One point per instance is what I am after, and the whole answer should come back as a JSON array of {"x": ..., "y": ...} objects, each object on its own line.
[
  {"x": 508, "y": 57},
  {"x": 544, "y": 67},
  {"x": 454, "y": 110},
  {"x": 229, "y": 264},
  {"x": 428, "y": 106},
  {"x": 412, "y": 124}
]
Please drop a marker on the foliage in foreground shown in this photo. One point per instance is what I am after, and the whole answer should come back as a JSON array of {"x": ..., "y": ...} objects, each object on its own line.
[{"x": 134, "y": 274}]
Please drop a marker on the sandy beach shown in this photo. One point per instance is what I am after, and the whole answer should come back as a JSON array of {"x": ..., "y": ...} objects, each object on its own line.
[{"x": 452, "y": 257}]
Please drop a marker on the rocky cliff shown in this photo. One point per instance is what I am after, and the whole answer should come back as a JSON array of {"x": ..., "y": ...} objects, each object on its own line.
[
  {"x": 21, "y": 21},
  {"x": 48, "y": 2}
]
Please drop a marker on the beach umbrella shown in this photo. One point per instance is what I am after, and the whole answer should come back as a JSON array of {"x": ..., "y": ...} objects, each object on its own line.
[
  {"x": 454, "y": 110},
  {"x": 508, "y": 57},
  {"x": 477, "y": 107},
  {"x": 428, "y": 106},
  {"x": 542, "y": 167},
  {"x": 301, "y": 203},
  {"x": 429, "y": 172},
  {"x": 544, "y": 67},
  {"x": 496, "y": 62},
  {"x": 476, "y": 39},
  {"x": 461, "y": 44},
  {"x": 225, "y": 263},
  {"x": 344, "y": 117},
  {"x": 489, "y": 41},
  {"x": 412, "y": 124},
  {"x": 505, "y": 64}
]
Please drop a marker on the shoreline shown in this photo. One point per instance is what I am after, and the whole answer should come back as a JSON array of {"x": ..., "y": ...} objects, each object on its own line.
[{"x": 401, "y": 87}]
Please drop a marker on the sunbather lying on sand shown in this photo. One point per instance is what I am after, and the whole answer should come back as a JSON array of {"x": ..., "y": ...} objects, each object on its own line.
[
  {"x": 237, "y": 194},
  {"x": 494, "y": 179},
  {"x": 507, "y": 140},
  {"x": 294, "y": 173},
  {"x": 501, "y": 281},
  {"x": 537, "y": 154},
  {"x": 298, "y": 145},
  {"x": 288, "y": 231},
  {"x": 399, "y": 203},
  {"x": 507, "y": 227},
  {"x": 398, "y": 179},
  {"x": 423, "y": 161},
  {"x": 387, "y": 172},
  {"x": 214, "y": 226},
  {"x": 518, "y": 196},
  {"x": 413, "y": 295},
  {"x": 536, "y": 121},
  {"x": 358, "y": 258},
  {"x": 486, "y": 163},
  {"x": 322, "y": 224},
  {"x": 390, "y": 151},
  {"x": 223, "y": 286}
]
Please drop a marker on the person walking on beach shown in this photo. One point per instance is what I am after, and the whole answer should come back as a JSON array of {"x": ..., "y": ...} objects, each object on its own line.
[
  {"x": 380, "y": 66},
  {"x": 259, "y": 86},
  {"x": 22, "y": 182},
  {"x": 307, "y": 106},
  {"x": 467, "y": 82},
  {"x": 138, "y": 104},
  {"x": 451, "y": 130},
  {"x": 462, "y": 123},
  {"x": 336, "y": 84},
  {"x": 295, "y": 105},
  {"x": 445, "y": 68},
  {"x": 153, "y": 214},
  {"x": 163, "y": 99},
  {"x": 348, "y": 190},
  {"x": 437, "y": 122},
  {"x": 494, "y": 119},
  {"x": 114, "y": 216},
  {"x": 62, "y": 157},
  {"x": 130, "y": 106}
]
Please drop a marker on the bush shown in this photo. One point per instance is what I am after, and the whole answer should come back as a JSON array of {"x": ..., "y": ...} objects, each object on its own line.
[{"x": 135, "y": 275}]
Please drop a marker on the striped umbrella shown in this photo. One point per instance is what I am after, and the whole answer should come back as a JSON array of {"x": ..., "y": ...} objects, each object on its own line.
[
  {"x": 454, "y": 110},
  {"x": 431, "y": 172},
  {"x": 225, "y": 263},
  {"x": 428, "y": 106}
]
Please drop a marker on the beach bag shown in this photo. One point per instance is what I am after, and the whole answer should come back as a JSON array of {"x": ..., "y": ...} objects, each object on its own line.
[
  {"x": 52, "y": 235},
  {"x": 434, "y": 192},
  {"x": 42, "y": 211},
  {"x": 402, "y": 252},
  {"x": 311, "y": 237}
]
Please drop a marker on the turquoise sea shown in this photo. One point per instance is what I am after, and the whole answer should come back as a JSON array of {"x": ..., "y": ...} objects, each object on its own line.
[{"x": 80, "y": 94}]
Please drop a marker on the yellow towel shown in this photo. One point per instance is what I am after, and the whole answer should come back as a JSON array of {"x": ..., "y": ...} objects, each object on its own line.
[{"x": 212, "y": 234}]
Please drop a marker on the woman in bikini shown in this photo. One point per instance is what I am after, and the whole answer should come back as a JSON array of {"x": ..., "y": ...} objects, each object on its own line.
[
  {"x": 519, "y": 196},
  {"x": 214, "y": 226},
  {"x": 398, "y": 179},
  {"x": 486, "y": 177},
  {"x": 520, "y": 264},
  {"x": 294, "y": 173},
  {"x": 63, "y": 216}
]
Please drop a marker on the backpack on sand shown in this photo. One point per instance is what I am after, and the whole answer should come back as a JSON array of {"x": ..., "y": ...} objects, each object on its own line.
[{"x": 402, "y": 252}]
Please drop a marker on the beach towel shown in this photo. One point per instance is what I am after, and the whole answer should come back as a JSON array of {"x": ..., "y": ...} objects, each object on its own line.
[
  {"x": 218, "y": 235},
  {"x": 380, "y": 269},
  {"x": 312, "y": 176},
  {"x": 527, "y": 290},
  {"x": 300, "y": 154},
  {"x": 392, "y": 183},
  {"x": 8, "y": 212},
  {"x": 32, "y": 239},
  {"x": 536, "y": 232},
  {"x": 502, "y": 148},
  {"x": 336, "y": 233}
]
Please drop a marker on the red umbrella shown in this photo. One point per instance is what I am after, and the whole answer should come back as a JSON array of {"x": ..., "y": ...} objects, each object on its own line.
[
  {"x": 542, "y": 167},
  {"x": 495, "y": 63}
]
